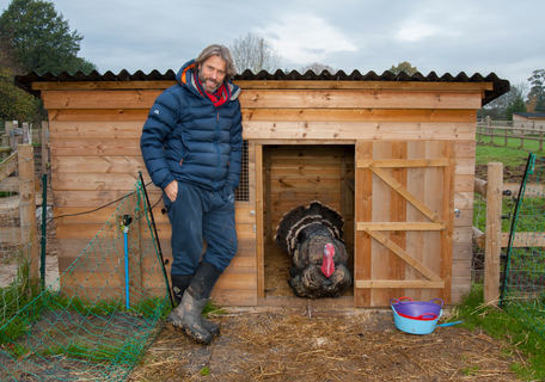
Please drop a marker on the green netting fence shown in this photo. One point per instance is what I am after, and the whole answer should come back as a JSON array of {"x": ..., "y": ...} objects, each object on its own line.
[
  {"x": 106, "y": 311},
  {"x": 523, "y": 276}
]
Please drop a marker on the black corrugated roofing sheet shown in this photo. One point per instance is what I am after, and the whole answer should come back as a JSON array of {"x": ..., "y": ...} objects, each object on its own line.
[{"x": 500, "y": 86}]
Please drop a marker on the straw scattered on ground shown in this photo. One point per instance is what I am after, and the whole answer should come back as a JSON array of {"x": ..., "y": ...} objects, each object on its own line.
[{"x": 285, "y": 345}]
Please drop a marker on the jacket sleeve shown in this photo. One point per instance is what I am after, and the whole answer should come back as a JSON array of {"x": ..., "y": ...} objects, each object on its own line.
[
  {"x": 236, "y": 150},
  {"x": 161, "y": 121}
]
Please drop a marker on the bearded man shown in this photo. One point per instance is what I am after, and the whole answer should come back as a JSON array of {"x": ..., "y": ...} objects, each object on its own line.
[{"x": 191, "y": 144}]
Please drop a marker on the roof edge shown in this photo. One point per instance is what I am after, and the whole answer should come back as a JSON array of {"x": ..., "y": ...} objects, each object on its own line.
[{"x": 500, "y": 86}]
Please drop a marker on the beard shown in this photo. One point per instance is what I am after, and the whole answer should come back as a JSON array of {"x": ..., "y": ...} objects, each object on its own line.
[{"x": 206, "y": 82}]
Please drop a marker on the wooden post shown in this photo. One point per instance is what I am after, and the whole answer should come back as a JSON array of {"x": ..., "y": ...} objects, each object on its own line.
[
  {"x": 45, "y": 146},
  {"x": 11, "y": 135},
  {"x": 27, "y": 133},
  {"x": 27, "y": 208},
  {"x": 493, "y": 233}
]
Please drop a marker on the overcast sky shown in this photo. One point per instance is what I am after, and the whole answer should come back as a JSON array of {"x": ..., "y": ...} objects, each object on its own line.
[{"x": 506, "y": 37}]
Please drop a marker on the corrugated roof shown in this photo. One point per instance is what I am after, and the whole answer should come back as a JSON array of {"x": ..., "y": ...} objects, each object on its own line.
[{"x": 500, "y": 86}]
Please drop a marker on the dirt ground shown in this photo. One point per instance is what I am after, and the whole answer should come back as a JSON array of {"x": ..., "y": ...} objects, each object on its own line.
[{"x": 352, "y": 345}]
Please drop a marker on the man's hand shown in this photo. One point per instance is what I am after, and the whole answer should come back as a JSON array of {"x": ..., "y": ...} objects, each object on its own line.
[{"x": 172, "y": 190}]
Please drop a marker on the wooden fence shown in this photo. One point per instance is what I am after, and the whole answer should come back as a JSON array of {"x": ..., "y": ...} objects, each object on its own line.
[
  {"x": 13, "y": 133},
  {"x": 493, "y": 239},
  {"x": 507, "y": 130},
  {"x": 21, "y": 207}
]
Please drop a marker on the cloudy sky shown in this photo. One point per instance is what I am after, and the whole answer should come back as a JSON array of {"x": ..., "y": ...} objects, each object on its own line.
[{"x": 502, "y": 36}]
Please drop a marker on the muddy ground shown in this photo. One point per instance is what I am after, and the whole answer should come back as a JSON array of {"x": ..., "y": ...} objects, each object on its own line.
[{"x": 286, "y": 345}]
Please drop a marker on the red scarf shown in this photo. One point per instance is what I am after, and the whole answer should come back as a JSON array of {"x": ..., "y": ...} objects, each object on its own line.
[{"x": 219, "y": 97}]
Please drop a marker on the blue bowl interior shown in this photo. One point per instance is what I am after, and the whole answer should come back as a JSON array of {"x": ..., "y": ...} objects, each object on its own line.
[{"x": 417, "y": 308}]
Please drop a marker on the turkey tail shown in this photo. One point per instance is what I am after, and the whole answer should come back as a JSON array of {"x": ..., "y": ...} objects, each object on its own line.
[{"x": 302, "y": 217}]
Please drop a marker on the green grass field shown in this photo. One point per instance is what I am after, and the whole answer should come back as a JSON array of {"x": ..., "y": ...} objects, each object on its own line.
[{"x": 509, "y": 156}]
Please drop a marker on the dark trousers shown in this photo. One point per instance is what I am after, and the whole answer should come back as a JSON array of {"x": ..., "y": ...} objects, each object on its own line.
[{"x": 198, "y": 214}]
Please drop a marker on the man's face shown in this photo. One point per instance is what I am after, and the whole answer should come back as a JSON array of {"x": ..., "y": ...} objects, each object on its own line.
[{"x": 212, "y": 73}]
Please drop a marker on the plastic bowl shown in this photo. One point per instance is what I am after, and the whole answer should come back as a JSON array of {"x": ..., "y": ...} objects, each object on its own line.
[
  {"x": 423, "y": 324},
  {"x": 407, "y": 307}
]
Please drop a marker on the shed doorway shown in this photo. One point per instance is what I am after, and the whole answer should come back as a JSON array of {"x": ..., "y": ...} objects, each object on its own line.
[{"x": 296, "y": 175}]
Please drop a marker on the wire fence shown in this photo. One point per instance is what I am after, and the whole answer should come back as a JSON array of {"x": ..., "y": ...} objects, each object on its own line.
[
  {"x": 522, "y": 260},
  {"x": 106, "y": 312}
]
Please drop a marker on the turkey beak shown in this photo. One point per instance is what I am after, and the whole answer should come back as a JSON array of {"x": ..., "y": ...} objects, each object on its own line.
[{"x": 328, "y": 265}]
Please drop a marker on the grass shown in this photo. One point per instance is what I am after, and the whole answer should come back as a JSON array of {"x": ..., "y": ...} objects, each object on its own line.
[
  {"x": 509, "y": 156},
  {"x": 510, "y": 328}
]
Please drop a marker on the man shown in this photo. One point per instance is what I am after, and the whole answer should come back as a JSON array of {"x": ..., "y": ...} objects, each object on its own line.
[{"x": 191, "y": 144}]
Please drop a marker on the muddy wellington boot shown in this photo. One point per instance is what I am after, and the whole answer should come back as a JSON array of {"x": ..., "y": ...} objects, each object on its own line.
[
  {"x": 179, "y": 285},
  {"x": 187, "y": 315}
]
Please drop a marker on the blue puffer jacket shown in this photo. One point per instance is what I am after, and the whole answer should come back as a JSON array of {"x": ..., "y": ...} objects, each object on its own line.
[{"x": 187, "y": 138}]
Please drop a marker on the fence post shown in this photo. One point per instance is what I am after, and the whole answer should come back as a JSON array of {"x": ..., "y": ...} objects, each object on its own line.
[
  {"x": 11, "y": 135},
  {"x": 494, "y": 195},
  {"x": 45, "y": 146},
  {"x": 27, "y": 207}
]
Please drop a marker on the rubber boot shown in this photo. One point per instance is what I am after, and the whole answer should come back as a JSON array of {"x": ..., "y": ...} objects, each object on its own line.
[
  {"x": 187, "y": 315},
  {"x": 179, "y": 286}
]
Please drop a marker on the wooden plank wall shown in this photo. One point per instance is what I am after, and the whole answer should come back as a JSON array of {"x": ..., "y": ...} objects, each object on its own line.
[
  {"x": 95, "y": 129},
  {"x": 95, "y": 156}
]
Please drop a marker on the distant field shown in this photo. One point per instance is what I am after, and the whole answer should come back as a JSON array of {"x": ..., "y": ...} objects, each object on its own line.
[{"x": 509, "y": 156}]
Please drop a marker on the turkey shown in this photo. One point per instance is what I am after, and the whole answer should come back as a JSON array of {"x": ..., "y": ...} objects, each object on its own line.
[{"x": 312, "y": 236}]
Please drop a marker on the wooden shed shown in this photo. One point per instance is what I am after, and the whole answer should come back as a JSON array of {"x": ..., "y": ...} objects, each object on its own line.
[{"x": 395, "y": 155}]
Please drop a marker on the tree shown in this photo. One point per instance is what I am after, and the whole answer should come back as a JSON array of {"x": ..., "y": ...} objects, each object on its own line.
[
  {"x": 404, "y": 66},
  {"x": 15, "y": 103},
  {"x": 255, "y": 53},
  {"x": 536, "y": 96},
  {"x": 40, "y": 39},
  {"x": 318, "y": 68},
  {"x": 504, "y": 106}
]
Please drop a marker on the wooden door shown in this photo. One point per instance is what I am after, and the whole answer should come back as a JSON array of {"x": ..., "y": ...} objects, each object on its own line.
[{"x": 404, "y": 220}]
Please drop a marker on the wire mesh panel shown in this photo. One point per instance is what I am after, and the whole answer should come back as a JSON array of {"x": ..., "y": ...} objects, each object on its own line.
[
  {"x": 523, "y": 288},
  {"x": 242, "y": 192},
  {"x": 97, "y": 325}
]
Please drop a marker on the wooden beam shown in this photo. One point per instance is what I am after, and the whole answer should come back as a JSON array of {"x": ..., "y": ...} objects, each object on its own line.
[
  {"x": 335, "y": 131},
  {"x": 425, "y": 271},
  {"x": 396, "y": 284},
  {"x": 399, "y": 226},
  {"x": 259, "y": 205},
  {"x": 531, "y": 190},
  {"x": 359, "y": 115},
  {"x": 96, "y": 85},
  {"x": 27, "y": 190},
  {"x": 401, "y": 163},
  {"x": 402, "y": 190},
  {"x": 447, "y": 213},
  {"x": 524, "y": 239},
  {"x": 466, "y": 87},
  {"x": 363, "y": 203},
  {"x": 9, "y": 184},
  {"x": 8, "y": 166},
  {"x": 347, "y": 98},
  {"x": 492, "y": 250}
]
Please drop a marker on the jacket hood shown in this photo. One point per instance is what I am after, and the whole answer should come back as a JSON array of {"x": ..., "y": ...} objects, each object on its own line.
[{"x": 185, "y": 78}]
